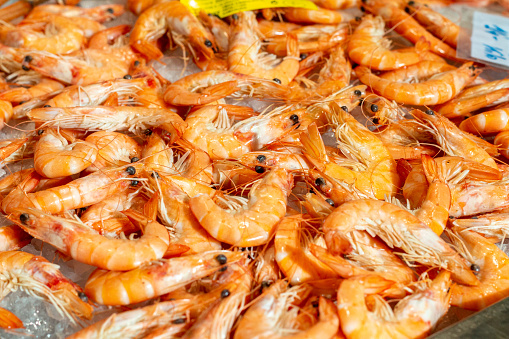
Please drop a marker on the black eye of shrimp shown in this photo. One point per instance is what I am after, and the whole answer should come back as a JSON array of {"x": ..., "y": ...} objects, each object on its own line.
[
  {"x": 261, "y": 158},
  {"x": 344, "y": 108},
  {"x": 276, "y": 80},
  {"x": 303, "y": 56},
  {"x": 28, "y": 58},
  {"x": 221, "y": 259},
  {"x": 357, "y": 92},
  {"x": 225, "y": 293},
  {"x": 155, "y": 175},
  {"x": 430, "y": 112},
  {"x": 294, "y": 118},
  {"x": 83, "y": 296},
  {"x": 330, "y": 202},
  {"x": 208, "y": 43},
  {"x": 134, "y": 183},
  {"x": 128, "y": 77},
  {"x": 259, "y": 169},
  {"x": 320, "y": 181},
  {"x": 179, "y": 321},
  {"x": 374, "y": 108},
  {"x": 131, "y": 170},
  {"x": 23, "y": 217},
  {"x": 475, "y": 268},
  {"x": 134, "y": 159}
]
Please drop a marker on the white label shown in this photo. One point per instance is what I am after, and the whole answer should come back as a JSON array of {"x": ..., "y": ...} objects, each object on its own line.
[{"x": 490, "y": 38}]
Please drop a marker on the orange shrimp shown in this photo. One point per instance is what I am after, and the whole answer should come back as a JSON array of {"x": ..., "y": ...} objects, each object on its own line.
[
  {"x": 502, "y": 142},
  {"x": 55, "y": 157},
  {"x": 244, "y": 53},
  {"x": 6, "y": 112},
  {"x": 88, "y": 246},
  {"x": 488, "y": 122},
  {"x": 9, "y": 320},
  {"x": 43, "y": 279},
  {"x": 337, "y": 4},
  {"x": 490, "y": 266},
  {"x": 108, "y": 37},
  {"x": 44, "y": 87},
  {"x": 250, "y": 226},
  {"x": 12, "y": 238},
  {"x": 397, "y": 228},
  {"x": 155, "y": 278},
  {"x": 114, "y": 149},
  {"x": 100, "y": 14},
  {"x": 368, "y": 47},
  {"x": 311, "y": 16},
  {"x": 184, "y": 27},
  {"x": 79, "y": 193},
  {"x": 436, "y": 91},
  {"x": 422, "y": 70}
]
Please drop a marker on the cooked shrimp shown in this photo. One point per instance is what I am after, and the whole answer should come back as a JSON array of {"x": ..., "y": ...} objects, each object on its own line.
[
  {"x": 40, "y": 278},
  {"x": 100, "y": 14},
  {"x": 79, "y": 193},
  {"x": 107, "y": 38},
  {"x": 19, "y": 94},
  {"x": 65, "y": 36},
  {"x": 490, "y": 225},
  {"x": 252, "y": 225},
  {"x": 452, "y": 140},
  {"x": 219, "y": 29},
  {"x": 440, "y": 89},
  {"x": 12, "y": 238},
  {"x": 9, "y": 320},
  {"x": 184, "y": 28},
  {"x": 292, "y": 246},
  {"x": 97, "y": 118},
  {"x": 368, "y": 47},
  {"x": 55, "y": 157},
  {"x": 413, "y": 316},
  {"x": 490, "y": 265},
  {"x": 502, "y": 142},
  {"x": 6, "y": 112},
  {"x": 462, "y": 106},
  {"x": 397, "y": 228},
  {"x": 172, "y": 197},
  {"x": 114, "y": 149},
  {"x": 311, "y": 16},
  {"x": 422, "y": 70},
  {"x": 337, "y": 4},
  {"x": 244, "y": 53},
  {"x": 489, "y": 122},
  {"x": 88, "y": 246},
  {"x": 154, "y": 278}
]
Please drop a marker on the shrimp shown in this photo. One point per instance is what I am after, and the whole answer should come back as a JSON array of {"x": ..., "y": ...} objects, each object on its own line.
[
  {"x": 107, "y": 38},
  {"x": 253, "y": 224},
  {"x": 206, "y": 87},
  {"x": 368, "y": 47},
  {"x": 408, "y": 27},
  {"x": 311, "y": 16},
  {"x": 502, "y": 142},
  {"x": 79, "y": 193},
  {"x": 11, "y": 148},
  {"x": 490, "y": 225},
  {"x": 9, "y": 320},
  {"x": 434, "y": 22},
  {"x": 40, "y": 278},
  {"x": 172, "y": 197},
  {"x": 488, "y": 122},
  {"x": 219, "y": 29},
  {"x": 6, "y": 112},
  {"x": 314, "y": 38},
  {"x": 114, "y": 149},
  {"x": 370, "y": 257},
  {"x": 292, "y": 244},
  {"x": 462, "y": 107},
  {"x": 289, "y": 160},
  {"x": 397, "y": 228},
  {"x": 438, "y": 90},
  {"x": 270, "y": 29},
  {"x": 413, "y": 316},
  {"x": 55, "y": 157},
  {"x": 267, "y": 270},
  {"x": 490, "y": 265},
  {"x": 155, "y": 278},
  {"x": 19, "y": 94},
  {"x": 97, "y": 118},
  {"x": 244, "y": 53},
  {"x": 88, "y": 246},
  {"x": 274, "y": 313},
  {"x": 452, "y": 140},
  {"x": 185, "y": 29},
  {"x": 422, "y": 70},
  {"x": 100, "y": 14},
  {"x": 337, "y": 4},
  {"x": 12, "y": 238},
  {"x": 65, "y": 36}
]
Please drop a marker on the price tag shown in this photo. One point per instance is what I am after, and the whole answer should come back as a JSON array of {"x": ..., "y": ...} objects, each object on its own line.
[
  {"x": 224, "y": 8},
  {"x": 490, "y": 38}
]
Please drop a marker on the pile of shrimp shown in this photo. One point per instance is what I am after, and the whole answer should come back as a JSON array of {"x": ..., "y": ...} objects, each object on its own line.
[{"x": 227, "y": 222}]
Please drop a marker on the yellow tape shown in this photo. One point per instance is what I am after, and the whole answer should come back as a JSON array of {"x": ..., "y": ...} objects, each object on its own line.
[{"x": 224, "y": 8}]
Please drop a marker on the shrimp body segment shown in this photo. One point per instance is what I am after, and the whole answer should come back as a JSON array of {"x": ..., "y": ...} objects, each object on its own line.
[
  {"x": 397, "y": 228},
  {"x": 251, "y": 226}
]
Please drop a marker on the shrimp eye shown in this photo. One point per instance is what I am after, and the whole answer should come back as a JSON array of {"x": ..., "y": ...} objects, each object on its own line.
[
  {"x": 208, "y": 43},
  {"x": 39, "y": 132},
  {"x": 235, "y": 17},
  {"x": 83, "y": 296},
  {"x": 320, "y": 181},
  {"x": 28, "y": 58},
  {"x": 357, "y": 92},
  {"x": 358, "y": 18},
  {"x": 131, "y": 170},
  {"x": 224, "y": 268},
  {"x": 407, "y": 10},
  {"x": 22, "y": 102},
  {"x": 179, "y": 321},
  {"x": 134, "y": 182},
  {"x": 474, "y": 218},
  {"x": 303, "y": 56},
  {"x": 25, "y": 67},
  {"x": 221, "y": 259},
  {"x": 137, "y": 63},
  {"x": 430, "y": 112},
  {"x": 110, "y": 10},
  {"x": 314, "y": 303},
  {"x": 294, "y": 118},
  {"x": 475, "y": 268},
  {"x": 363, "y": 9},
  {"x": 312, "y": 191},
  {"x": 266, "y": 284},
  {"x": 344, "y": 108},
  {"x": 374, "y": 108},
  {"x": 276, "y": 80},
  {"x": 46, "y": 106},
  {"x": 376, "y": 120},
  {"x": 330, "y": 202},
  {"x": 259, "y": 169},
  {"x": 134, "y": 159},
  {"x": 451, "y": 217},
  {"x": 261, "y": 158},
  {"x": 411, "y": 3},
  {"x": 155, "y": 175},
  {"x": 128, "y": 77},
  {"x": 224, "y": 294},
  {"x": 23, "y": 217},
  {"x": 148, "y": 132}
]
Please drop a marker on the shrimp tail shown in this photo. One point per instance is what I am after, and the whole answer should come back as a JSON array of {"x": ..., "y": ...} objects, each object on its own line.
[
  {"x": 147, "y": 49},
  {"x": 314, "y": 147},
  {"x": 8, "y": 320}
]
